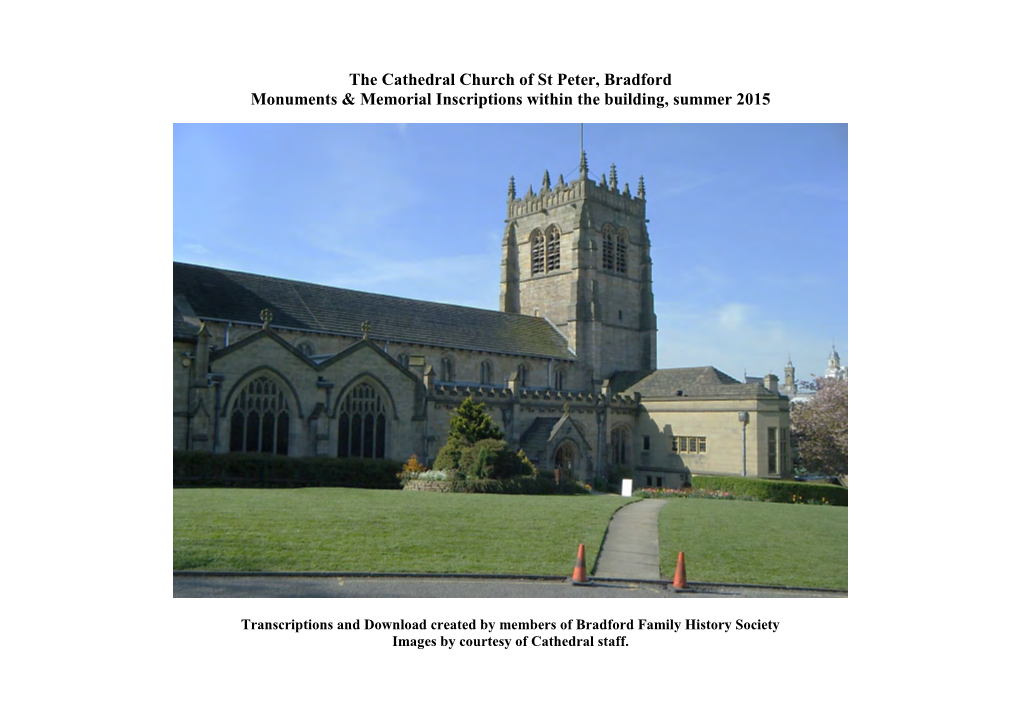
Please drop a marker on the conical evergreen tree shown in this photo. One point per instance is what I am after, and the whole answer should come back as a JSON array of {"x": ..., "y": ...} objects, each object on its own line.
[{"x": 470, "y": 423}]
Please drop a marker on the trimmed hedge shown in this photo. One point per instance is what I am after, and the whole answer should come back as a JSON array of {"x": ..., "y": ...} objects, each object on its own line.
[
  {"x": 543, "y": 485},
  {"x": 774, "y": 491},
  {"x": 195, "y": 469}
]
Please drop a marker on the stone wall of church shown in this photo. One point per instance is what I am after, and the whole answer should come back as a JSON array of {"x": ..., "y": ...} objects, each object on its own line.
[
  {"x": 515, "y": 414},
  {"x": 717, "y": 422},
  {"x": 183, "y": 369},
  {"x": 312, "y": 405},
  {"x": 417, "y": 422},
  {"x": 621, "y": 351}
]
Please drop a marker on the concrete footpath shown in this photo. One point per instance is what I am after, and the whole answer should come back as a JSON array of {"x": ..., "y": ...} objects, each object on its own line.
[{"x": 631, "y": 548}]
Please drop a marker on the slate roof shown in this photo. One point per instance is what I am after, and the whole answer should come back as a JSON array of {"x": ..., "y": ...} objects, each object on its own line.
[
  {"x": 703, "y": 382},
  {"x": 183, "y": 330},
  {"x": 228, "y": 295},
  {"x": 534, "y": 439}
]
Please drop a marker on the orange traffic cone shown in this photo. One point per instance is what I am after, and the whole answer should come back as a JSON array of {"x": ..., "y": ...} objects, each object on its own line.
[
  {"x": 580, "y": 569},
  {"x": 680, "y": 577}
]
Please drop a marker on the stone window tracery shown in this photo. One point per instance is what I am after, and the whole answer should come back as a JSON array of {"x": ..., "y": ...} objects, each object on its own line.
[
  {"x": 621, "y": 252},
  {"x": 607, "y": 248},
  {"x": 619, "y": 443},
  {"x": 545, "y": 250},
  {"x": 362, "y": 424},
  {"x": 537, "y": 252},
  {"x": 260, "y": 419},
  {"x": 552, "y": 250}
]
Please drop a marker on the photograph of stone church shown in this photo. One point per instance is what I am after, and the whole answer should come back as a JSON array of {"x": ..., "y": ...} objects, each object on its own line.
[{"x": 566, "y": 367}]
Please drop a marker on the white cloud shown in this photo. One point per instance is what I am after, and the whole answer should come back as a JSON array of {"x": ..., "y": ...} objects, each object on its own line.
[{"x": 733, "y": 315}]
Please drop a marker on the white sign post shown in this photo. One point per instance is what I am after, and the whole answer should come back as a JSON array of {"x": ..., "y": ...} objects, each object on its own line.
[{"x": 627, "y": 489}]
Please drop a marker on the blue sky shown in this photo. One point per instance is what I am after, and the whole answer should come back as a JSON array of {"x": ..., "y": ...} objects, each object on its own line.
[{"x": 748, "y": 223}]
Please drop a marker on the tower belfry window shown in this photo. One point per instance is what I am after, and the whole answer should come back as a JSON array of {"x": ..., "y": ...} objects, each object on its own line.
[
  {"x": 621, "y": 252},
  {"x": 545, "y": 250},
  {"x": 552, "y": 250},
  {"x": 607, "y": 248},
  {"x": 537, "y": 252}
]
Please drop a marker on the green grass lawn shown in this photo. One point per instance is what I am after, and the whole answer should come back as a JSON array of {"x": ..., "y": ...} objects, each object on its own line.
[
  {"x": 761, "y": 543},
  {"x": 354, "y": 530}
]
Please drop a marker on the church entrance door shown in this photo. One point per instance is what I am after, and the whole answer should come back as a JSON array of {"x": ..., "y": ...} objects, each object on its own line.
[{"x": 566, "y": 461}]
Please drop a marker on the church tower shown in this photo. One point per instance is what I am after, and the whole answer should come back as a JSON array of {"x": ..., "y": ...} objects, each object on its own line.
[
  {"x": 578, "y": 254},
  {"x": 834, "y": 369},
  {"x": 790, "y": 382}
]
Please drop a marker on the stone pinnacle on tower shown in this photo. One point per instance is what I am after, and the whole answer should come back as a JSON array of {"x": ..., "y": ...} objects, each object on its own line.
[
  {"x": 512, "y": 191},
  {"x": 584, "y": 165},
  {"x": 612, "y": 176},
  {"x": 641, "y": 187},
  {"x": 545, "y": 181}
]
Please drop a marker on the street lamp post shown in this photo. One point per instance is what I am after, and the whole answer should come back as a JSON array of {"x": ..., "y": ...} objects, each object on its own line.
[{"x": 743, "y": 417}]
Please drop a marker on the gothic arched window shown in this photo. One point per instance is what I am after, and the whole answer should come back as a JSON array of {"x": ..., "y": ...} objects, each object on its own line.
[
  {"x": 558, "y": 376},
  {"x": 552, "y": 249},
  {"x": 485, "y": 373},
  {"x": 537, "y": 252},
  {"x": 619, "y": 442},
  {"x": 522, "y": 375},
  {"x": 621, "y": 251},
  {"x": 362, "y": 424},
  {"x": 608, "y": 249},
  {"x": 260, "y": 419},
  {"x": 306, "y": 348},
  {"x": 446, "y": 370}
]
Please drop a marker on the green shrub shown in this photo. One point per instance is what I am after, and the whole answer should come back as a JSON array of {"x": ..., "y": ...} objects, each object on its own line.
[
  {"x": 518, "y": 485},
  {"x": 195, "y": 469},
  {"x": 490, "y": 458},
  {"x": 773, "y": 491},
  {"x": 470, "y": 423},
  {"x": 448, "y": 458},
  {"x": 527, "y": 467},
  {"x": 539, "y": 485}
]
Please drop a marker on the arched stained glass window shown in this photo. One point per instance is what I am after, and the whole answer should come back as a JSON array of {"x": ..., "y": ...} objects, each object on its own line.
[
  {"x": 362, "y": 424},
  {"x": 260, "y": 419}
]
